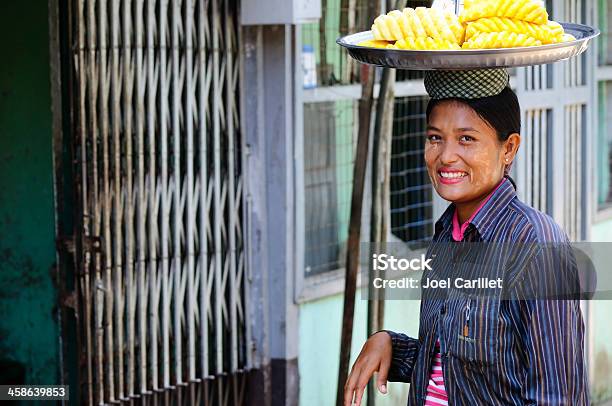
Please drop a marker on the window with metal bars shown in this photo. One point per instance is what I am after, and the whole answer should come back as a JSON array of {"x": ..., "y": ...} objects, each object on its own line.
[
  {"x": 411, "y": 190},
  {"x": 535, "y": 156},
  {"x": 604, "y": 150},
  {"x": 576, "y": 68},
  {"x": 329, "y": 135},
  {"x": 605, "y": 39},
  {"x": 574, "y": 140}
]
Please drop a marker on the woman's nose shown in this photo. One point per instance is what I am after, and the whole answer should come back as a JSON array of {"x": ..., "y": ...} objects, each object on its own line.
[{"x": 449, "y": 153}]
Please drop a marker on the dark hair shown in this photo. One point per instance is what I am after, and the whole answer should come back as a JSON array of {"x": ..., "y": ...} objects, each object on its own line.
[{"x": 501, "y": 112}]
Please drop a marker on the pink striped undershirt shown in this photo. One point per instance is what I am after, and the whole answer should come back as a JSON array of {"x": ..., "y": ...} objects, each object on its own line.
[
  {"x": 458, "y": 231},
  {"x": 436, "y": 392}
]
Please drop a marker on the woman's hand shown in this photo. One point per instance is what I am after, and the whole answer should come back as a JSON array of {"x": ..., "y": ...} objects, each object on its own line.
[{"x": 375, "y": 356}]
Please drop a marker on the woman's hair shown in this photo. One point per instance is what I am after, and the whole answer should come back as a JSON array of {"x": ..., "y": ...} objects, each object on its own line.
[{"x": 501, "y": 112}]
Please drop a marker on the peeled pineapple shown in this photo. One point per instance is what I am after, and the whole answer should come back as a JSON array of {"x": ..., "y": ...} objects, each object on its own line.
[
  {"x": 418, "y": 23},
  {"x": 373, "y": 43},
  {"x": 426, "y": 43},
  {"x": 456, "y": 27},
  {"x": 526, "y": 10},
  {"x": 567, "y": 37},
  {"x": 555, "y": 28},
  {"x": 482, "y": 24},
  {"x": 547, "y": 34},
  {"x": 488, "y": 40}
]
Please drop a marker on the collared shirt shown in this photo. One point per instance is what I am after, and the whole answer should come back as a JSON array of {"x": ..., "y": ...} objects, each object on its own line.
[
  {"x": 459, "y": 230},
  {"x": 515, "y": 352}
]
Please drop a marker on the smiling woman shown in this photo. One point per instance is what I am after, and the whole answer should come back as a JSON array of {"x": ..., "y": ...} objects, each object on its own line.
[
  {"x": 471, "y": 144},
  {"x": 473, "y": 349}
]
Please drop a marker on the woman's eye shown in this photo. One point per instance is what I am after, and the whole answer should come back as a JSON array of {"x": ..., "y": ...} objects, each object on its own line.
[
  {"x": 466, "y": 138},
  {"x": 433, "y": 137}
]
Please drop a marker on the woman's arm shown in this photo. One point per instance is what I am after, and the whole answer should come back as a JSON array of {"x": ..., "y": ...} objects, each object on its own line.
[
  {"x": 391, "y": 355},
  {"x": 404, "y": 355}
]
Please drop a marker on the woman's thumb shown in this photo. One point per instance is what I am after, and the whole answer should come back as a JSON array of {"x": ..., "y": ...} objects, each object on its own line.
[{"x": 381, "y": 377}]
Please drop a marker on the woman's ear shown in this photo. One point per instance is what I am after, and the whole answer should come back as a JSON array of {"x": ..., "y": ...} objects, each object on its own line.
[{"x": 511, "y": 146}]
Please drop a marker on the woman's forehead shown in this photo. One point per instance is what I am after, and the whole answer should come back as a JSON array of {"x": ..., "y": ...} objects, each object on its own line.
[{"x": 450, "y": 115}]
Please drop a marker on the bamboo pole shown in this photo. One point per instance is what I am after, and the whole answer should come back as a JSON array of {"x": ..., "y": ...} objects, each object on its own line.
[
  {"x": 352, "y": 254},
  {"x": 380, "y": 216},
  {"x": 381, "y": 173},
  {"x": 323, "y": 73},
  {"x": 346, "y": 25}
]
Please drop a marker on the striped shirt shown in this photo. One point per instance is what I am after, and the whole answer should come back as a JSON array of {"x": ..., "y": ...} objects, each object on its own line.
[
  {"x": 436, "y": 393},
  {"x": 516, "y": 352}
]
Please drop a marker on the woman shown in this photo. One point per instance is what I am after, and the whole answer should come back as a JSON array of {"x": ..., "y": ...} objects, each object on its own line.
[{"x": 481, "y": 351}]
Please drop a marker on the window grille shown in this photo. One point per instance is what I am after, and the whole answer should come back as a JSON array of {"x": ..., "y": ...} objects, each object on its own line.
[
  {"x": 536, "y": 156},
  {"x": 575, "y": 130},
  {"x": 604, "y": 149},
  {"x": 329, "y": 137},
  {"x": 538, "y": 77},
  {"x": 411, "y": 190},
  {"x": 575, "y": 69},
  {"x": 604, "y": 42}
]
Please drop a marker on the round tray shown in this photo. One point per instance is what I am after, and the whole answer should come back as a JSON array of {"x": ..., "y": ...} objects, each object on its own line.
[{"x": 470, "y": 58}]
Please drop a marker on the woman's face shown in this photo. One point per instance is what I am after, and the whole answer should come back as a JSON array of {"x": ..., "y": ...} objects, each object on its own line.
[{"x": 464, "y": 156}]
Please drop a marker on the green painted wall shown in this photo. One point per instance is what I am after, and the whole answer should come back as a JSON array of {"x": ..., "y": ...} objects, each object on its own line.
[
  {"x": 320, "y": 323},
  {"x": 601, "y": 381},
  {"x": 28, "y": 332},
  {"x": 602, "y": 231}
]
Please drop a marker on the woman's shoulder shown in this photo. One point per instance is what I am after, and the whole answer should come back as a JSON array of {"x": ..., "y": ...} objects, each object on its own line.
[{"x": 536, "y": 226}]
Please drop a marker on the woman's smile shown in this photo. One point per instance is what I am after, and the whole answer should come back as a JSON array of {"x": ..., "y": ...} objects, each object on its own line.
[{"x": 449, "y": 176}]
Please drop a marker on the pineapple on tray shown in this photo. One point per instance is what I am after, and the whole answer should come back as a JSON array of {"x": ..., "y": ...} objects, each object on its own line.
[
  {"x": 420, "y": 28},
  {"x": 484, "y": 24}
]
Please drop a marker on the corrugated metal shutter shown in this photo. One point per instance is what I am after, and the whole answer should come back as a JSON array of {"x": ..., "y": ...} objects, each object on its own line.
[{"x": 155, "y": 109}]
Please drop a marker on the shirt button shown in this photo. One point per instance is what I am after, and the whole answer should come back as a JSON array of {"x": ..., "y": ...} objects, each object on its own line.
[{"x": 443, "y": 309}]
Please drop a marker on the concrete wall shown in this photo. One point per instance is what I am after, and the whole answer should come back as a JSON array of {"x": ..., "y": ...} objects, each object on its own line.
[{"x": 28, "y": 332}]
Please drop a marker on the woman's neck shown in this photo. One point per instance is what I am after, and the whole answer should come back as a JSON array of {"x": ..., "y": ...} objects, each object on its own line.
[{"x": 467, "y": 209}]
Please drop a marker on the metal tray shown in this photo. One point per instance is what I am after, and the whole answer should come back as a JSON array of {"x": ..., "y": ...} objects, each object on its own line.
[{"x": 472, "y": 58}]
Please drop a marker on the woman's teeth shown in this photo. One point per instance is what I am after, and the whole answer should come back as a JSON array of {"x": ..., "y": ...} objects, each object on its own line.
[{"x": 453, "y": 175}]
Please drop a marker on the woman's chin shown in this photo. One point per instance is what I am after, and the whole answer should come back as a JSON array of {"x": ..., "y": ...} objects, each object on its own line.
[{"x": 451, "y": 193}]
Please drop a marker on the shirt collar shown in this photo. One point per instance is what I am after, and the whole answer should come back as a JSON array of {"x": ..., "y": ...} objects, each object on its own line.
[{"x": 486, "y": 216}]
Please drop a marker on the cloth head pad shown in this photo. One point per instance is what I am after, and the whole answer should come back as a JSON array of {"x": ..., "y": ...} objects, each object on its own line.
[{"x": 465, "y": 84}]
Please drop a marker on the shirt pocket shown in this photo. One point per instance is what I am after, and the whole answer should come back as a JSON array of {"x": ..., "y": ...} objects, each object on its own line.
[{"x": 475, "y": 331}]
